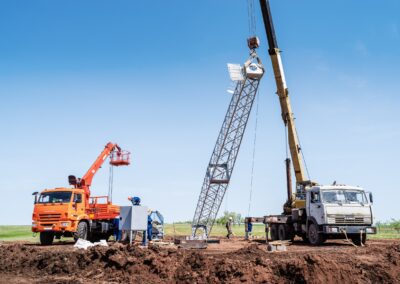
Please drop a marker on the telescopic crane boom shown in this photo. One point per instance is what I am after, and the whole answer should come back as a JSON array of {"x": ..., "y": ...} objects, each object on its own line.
[
  {"x": 286, "y": 108},
  {"x": 283, "y": 93},
  {"x": 88, "y": 177}
]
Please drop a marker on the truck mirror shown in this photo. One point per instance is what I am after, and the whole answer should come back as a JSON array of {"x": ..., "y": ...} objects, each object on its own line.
[
  {"x": 371, "y": 198},
  {"x": 77, "y": 198},
  {"x": 314, "y": 197},
  {"x": 72, "y": 180},
  {"x": 35, "y": 194}
]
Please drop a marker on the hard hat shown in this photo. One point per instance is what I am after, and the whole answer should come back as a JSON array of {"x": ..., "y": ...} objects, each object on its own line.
[
  {"x": 230, "y": 218},
  {"x": 136, "y": 200}
]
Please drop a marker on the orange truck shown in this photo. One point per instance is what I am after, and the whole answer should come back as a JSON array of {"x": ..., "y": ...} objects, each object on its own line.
[{"x": 72, "y": 212}]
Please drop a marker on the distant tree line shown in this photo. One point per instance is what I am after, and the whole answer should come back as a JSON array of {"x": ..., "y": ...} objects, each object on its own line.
[
  {"x": 237, "y": 218},
  {"x": 393, "y": 223}
]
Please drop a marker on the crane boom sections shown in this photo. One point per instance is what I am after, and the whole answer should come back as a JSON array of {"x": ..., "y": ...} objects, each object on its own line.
[
  {"x": 88, "y": 177},
  {"x": 223, "y": 158},
  {"x": 283, "y": 93}
]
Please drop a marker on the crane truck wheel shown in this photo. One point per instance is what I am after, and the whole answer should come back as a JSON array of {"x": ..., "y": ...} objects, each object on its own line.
[
  {"x": 314, "y": 237},
  {"x": 282, "y": 234},
  {"x": 274, "y": 232},
  {"x": 305, "y": 239},
  {"x": 46, "y": 238},
  {"x": 81, "y": 231}
]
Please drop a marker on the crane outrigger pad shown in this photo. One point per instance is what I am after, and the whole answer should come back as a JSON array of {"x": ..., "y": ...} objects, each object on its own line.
[
  {"x": 276, "y": 246},
  {"x": 190, "y": 244}
]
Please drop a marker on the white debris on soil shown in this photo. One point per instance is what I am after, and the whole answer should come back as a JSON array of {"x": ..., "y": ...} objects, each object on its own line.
[{"x": 84, "y": 244}]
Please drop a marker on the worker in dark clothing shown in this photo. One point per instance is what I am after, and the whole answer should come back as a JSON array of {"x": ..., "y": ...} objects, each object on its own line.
[
  {"x": 249, "y": 230},
  {"x": 147, "y": 235},
  {"x": 135, "y": 200},
  {"x": 228, "y": 226},
  {"x": 117, "y": 231},
  {"x": 149, "y": 228}
]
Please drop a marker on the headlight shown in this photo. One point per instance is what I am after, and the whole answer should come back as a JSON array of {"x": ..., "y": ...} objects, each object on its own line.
[
  {"x": 367, "y": 220},
  {"x": 333, "y": 230},
  {"x": 369, "y": 230},
  {"x": 64, "y": 224},
  {"x": 331, "y": 220},
  {"x": 34, "y": 224}
]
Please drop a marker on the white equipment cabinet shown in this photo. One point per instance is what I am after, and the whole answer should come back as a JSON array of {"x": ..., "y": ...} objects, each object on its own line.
[{"x": 133, "y": 218}]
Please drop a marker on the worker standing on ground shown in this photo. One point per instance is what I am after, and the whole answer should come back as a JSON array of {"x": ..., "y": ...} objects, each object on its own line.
[
  {"x": 149, "y": 227},
  {"x": 250, "y": 229},
  {"x": 117, "y": 230},
  {"x": 229, "y": 228}
]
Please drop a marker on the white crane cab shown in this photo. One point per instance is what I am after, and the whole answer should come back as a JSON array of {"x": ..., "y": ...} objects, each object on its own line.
[{"x": 338, "y": 210}]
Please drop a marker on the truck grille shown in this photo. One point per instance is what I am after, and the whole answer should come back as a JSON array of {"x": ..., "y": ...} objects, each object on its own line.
[
  {"x": 49, "y": 217},
  {"x": 349, "y": 220},
  {"x": 343, "y": 220}
]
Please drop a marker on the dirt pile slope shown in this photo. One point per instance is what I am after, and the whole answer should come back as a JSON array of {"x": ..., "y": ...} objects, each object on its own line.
[{"x": 377, "y": 263}]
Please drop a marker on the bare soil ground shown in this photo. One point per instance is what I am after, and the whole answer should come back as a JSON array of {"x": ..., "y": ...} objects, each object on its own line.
[{"x": 234, "y": 261}]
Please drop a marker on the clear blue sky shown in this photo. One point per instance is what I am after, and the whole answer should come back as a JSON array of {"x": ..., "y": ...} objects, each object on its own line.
[{"x": 152, "y": 77}]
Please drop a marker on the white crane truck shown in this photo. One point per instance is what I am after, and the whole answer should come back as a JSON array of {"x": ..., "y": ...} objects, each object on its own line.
[{"x": 314, "y": 212}]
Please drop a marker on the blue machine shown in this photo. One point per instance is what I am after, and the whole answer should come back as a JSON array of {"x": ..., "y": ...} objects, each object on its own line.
[{"x": 157, "y": 231}]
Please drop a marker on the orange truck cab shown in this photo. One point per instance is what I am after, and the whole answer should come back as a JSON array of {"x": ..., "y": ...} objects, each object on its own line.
[{"x": 72, "y": 212}]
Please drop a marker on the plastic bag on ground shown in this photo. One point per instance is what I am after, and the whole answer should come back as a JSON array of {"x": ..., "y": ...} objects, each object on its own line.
[
  {"x": 102, "y": 243},
  {"x": 84, "y": 244}
]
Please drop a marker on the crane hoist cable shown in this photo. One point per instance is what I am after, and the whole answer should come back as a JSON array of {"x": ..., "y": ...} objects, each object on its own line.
[
  {"x": 304, "y": 158},
  {"x": 223, "y": 158},
  {"x": 286, "y": 141},
  {"x": 226, "y": 149},
  {"x": 254, "y": 155},
  {"x": 252, "y": 32},
  {"x": 226, "y": 201},
  {"x": 301, "y": 149},
  {"x": 251, "y": 17},
  {"x": 111, "y": 182}
]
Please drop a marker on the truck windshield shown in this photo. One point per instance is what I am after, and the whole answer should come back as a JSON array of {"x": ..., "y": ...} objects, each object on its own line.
[
  {"x": 55, "y": 197},
  {"x": 343, "y": 196}
]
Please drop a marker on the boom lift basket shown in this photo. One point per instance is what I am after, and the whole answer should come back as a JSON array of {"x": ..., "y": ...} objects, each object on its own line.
[{"x": 120, "y": 158}]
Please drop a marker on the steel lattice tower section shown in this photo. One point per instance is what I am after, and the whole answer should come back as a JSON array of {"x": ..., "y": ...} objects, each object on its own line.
[{"x": 223, "y": 158}]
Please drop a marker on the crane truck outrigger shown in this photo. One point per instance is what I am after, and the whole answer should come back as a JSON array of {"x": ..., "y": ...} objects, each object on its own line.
[
  {"x": 315, "y": 212},
  {"x": 72, "y": 212}
]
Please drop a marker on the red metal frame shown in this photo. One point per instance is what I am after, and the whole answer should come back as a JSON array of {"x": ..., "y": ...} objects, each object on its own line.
[{"x": 120, "y": 158}]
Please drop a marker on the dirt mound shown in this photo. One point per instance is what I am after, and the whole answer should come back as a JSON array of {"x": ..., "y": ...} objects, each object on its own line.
[
  {"x": 376, "y": 263},
  {"x": 117, "y": 263}
]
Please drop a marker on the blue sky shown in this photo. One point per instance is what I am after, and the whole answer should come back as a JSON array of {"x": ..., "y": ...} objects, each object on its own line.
[{"x": 152, "y": 77}]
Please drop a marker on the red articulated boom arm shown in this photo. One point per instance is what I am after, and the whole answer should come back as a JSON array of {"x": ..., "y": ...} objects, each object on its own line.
[{"x": 86, "y": 181}]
